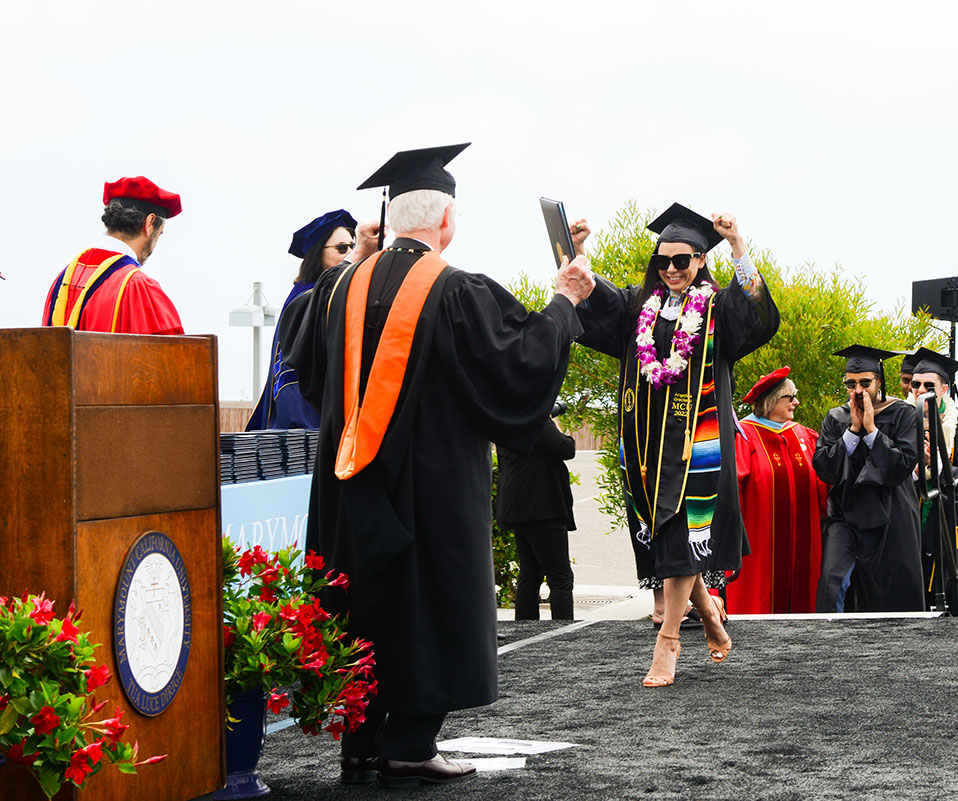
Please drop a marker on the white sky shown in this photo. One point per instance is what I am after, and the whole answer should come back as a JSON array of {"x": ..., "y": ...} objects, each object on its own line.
[{"x": 828, "y": 128}]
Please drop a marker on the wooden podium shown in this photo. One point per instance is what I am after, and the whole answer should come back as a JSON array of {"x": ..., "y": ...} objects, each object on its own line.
[{"x": 103, "y": 438}]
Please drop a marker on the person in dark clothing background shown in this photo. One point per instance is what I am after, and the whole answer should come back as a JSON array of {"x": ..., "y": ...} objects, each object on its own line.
[
  {"x": 535, "y": 501},
  {"x": 867, "y": 451}
]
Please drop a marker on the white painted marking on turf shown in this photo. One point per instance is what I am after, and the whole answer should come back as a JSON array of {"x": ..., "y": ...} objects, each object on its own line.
[
  {"x": 488, "y": 764},
  {"x": 501, "y": 745},
  {"x": 838, "y": 617},
  {"x": 547, "y": 635},
  {"x": 279, "y": 725}
]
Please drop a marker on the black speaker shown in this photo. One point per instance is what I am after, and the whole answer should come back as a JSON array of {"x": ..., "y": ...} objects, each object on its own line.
[{"x": 939, "y": 297}]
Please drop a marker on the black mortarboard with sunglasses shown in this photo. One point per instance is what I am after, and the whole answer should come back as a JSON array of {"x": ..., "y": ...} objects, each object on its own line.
[
  {"x": 928, "y": 361},
  {"x": 864, "y": 359},
  {"x": 679, "y": 224},
  {"x": 409, "y": 170}
]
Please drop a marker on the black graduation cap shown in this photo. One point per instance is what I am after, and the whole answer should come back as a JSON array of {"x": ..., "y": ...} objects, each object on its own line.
[
  {"x": 679, "y": 224},
  {"x": 908, "y": 363},
  {"x": 863, "y": 359},
  {"x": 409, "y": 170},
  {"x": 927, "y": 361}
]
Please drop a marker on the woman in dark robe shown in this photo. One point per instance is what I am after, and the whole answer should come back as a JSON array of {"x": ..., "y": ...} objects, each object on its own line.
[
  {"x": 322, "y": 244},
  {"x": 677, "y": 338}
]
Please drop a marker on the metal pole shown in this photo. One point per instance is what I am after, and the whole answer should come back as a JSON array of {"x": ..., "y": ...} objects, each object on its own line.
[{"x": 257, "y": 301}]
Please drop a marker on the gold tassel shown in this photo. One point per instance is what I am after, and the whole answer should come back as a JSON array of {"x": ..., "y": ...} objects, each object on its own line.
[
  {"x": 644, "y": 470},
  {"x": 687, "y": 450}
]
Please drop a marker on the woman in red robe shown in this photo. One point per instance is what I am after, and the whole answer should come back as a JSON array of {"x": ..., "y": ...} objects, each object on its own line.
[{"x": 782, "y": 501}]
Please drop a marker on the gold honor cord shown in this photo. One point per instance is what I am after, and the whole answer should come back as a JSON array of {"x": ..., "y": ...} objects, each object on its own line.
[
  {"x": 698, "y": 399},
  {"x": 119, "y": 297},
  {"x": 772, "y": 493}
]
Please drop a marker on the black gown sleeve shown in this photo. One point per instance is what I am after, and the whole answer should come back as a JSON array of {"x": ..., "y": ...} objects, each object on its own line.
[
  {"x": 606, "y": 319},
  {"x": 831, "y": 455},
  {"x": 744, "y": 325},
  {"x": 893, "y": 456},
  {"x": 302, "y": 336},
  {"x": 554, "y": 443},
  {"x": 505, "y": 365}
]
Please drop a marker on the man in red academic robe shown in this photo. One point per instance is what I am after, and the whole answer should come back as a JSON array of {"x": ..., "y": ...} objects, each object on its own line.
[
  {"x": 782, "y": 502},
  {"x": 104, "y": 289}
]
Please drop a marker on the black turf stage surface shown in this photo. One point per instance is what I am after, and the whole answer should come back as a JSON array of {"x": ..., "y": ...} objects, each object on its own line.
[{"x": 857, "y": 709}]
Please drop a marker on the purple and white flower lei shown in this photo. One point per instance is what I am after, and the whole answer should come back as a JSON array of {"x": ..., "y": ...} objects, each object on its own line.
[{"x": 688, "y": 331}]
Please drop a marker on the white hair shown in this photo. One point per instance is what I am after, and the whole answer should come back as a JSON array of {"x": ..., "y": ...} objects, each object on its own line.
[{"x": 419, "y": 210}]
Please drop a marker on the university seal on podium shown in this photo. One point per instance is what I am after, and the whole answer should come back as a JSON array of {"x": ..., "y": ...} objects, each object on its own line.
[{"x": 152, "y": 623}]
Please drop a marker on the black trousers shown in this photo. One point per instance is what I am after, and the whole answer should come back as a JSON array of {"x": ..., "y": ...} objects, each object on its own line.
[
  {"x": 409, "y": 738},
  {"x": 543, "y": 550}
]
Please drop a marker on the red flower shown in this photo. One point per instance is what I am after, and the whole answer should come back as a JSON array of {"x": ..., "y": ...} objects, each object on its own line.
[
  {"x": 81, "y": 763},
  {"x": 249, "y": 558},
  {"x": 153, "y": 760},
  {"x": 260, "y": 619},
  {"x": 96, "y": 677},
  {"x": 314, "y": 560},
  {"x": 113, "y": 728},
  {"x": 335, "y": 728},
  {"x": 277, "y": 702},
  {"x": 4, "y": 700},
  {"x": 93, "y": 752},
  {"x": 43, "y": 610},
  {"x": 289, "y": 613},
  {"x": 45, "y": 721},
  {"x": 15, "y": 754},
  {"x": 77, "y": 773},
  {"x": 342, "y": 580},
  {"x": 68, "y": 632},
  {"x": 267, "y": 595},
  {"x": 229, "y": 636},
  {"x": 245, "y": 564},
  {"x": 268, "y": 576}
]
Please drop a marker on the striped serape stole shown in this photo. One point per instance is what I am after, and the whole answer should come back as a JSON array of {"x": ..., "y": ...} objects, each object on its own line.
[{"x": 701, "y": 489}]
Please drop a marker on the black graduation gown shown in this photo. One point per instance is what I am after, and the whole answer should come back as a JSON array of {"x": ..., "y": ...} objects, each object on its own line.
[
  {"x": 741, "y": 326},
  {"x": 872, "y": 516},
  {"x": 535, "y": 486},
  {"x": 413, "y": 529}
]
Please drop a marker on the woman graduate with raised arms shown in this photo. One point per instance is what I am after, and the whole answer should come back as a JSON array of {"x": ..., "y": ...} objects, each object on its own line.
[{"x": 677, "y": 338}]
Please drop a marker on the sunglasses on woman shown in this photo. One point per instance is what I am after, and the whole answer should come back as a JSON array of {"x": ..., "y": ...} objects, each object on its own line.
[
  {"x": 681, "y": 261},
  {"x": 342, "y": 248}
]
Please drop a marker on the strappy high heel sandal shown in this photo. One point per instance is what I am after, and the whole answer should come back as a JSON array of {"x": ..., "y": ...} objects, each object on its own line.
[
  {"x": 663, "y": 679},
  {"x": 718, "y": 651}
]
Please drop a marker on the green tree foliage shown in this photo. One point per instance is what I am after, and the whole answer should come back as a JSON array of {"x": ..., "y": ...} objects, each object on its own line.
[{"x": 821, "y": 313}]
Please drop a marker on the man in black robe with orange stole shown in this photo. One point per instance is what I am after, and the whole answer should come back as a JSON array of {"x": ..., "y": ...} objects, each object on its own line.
[
  {"x": 867, "y": 450},
  {"x": 417, "y": 366}
]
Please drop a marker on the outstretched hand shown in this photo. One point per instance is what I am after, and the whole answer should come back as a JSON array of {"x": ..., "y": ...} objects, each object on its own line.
[{"x": 575, "y": 280}]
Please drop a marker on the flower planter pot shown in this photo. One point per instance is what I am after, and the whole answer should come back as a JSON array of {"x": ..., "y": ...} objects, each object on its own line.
[{"x": 244, "y": 745}]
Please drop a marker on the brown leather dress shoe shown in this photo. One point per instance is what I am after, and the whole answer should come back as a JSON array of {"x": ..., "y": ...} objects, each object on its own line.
[
  {"x": 438, "y": 770},
  {"x": 358, "y": 770}
]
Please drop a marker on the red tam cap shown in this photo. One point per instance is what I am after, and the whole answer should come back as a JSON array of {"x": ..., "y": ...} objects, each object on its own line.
[
  {"x": 141, "y": 193},
  {"x": 766, "y": 383}
]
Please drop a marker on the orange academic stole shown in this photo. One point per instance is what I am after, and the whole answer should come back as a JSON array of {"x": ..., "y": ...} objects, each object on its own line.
[{"x": 366, "y": 425}]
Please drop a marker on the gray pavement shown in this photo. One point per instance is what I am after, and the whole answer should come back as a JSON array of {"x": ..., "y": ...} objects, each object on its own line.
[{"x": 602, "y": 561}]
